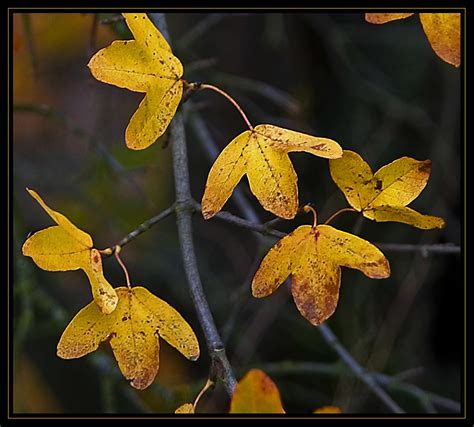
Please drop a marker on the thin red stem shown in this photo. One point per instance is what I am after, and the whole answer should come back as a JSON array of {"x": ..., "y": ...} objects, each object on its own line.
[
  {"x": 340, "y": 211},
  {"x": 230, "y": 99},
  {"x": 309, "y": 208},
  {"x": 119, "y": 260},
  {"x": 208, "y": 385}
]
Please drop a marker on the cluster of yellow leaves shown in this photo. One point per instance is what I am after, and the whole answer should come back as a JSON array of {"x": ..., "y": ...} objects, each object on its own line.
[
  {"x": 262, "y": 155},
  {"x": 65, "y": 247},
  {"x": 131, "y": 318},
  {"x": 384, "y": 196},
  {"x": 147, "y": 65},
  {"x": 132, "y": 330},
  {"x": 443, "y": 31},
  {"x": 313, "y": 256}
]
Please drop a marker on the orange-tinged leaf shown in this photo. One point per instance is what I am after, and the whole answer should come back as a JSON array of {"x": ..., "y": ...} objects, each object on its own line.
[
  {"x": 256, "y": 393},
  {"x": 313, "y": 257},
  {"x": 443, "y": 31},
  {"x": 147, "y": 65},
  {"x": 382, "y": 18},
  {"x": 133, "y": 329},
  {"x": 383, "y": 196},
  {"x": 65, "y": 247},
  {"x": 186, "y": 408},
  {"x": 328, "y": 410},
  {"x": 262, "y": 154}
]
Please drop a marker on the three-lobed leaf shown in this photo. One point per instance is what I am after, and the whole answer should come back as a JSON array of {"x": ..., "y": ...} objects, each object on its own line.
[
  {"x": 133, "y": 329},
  {"x": 262, "y": 155},
  {"x": 384, "y": 196},
  {"x": 145, "y": 64},
  {"x": 256, "y": 393},
  {"x": 443, "y": 31},
  {"x": 65, "y": 247},
  {"x": 313, "y": 257}
]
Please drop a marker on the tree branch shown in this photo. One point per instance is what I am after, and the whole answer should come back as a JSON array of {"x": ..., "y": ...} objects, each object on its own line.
[
  {"x": 358, "y": 370},
  {"x": 144, "y": 226},
  {"x": 220, "y": 366}
]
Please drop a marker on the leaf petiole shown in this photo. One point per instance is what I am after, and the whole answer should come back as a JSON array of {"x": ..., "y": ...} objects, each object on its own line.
[
  {"x": 206, "y": 387},
  {"x": 119, "y": 260},
  {"x": 200, "y": 86},
  {"x": 309, "y": 208},
  {"x": 340, "y": 211}
]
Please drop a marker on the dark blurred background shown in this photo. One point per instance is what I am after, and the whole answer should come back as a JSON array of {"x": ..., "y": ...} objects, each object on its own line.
[{"x": 377, "y": 89}]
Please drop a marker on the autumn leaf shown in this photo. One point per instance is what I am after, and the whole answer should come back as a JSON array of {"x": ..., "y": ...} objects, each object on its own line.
[
  {"x": 65, "y": 247},
  {"x": 328, "y": 410},
  {"x": 186, "y": 408},
  {"x": 262, "y": 155},
  {"x": 133, "y": 329},
  {"x": 443, "y": 31},
  {"x": 145, "y": 64},
  {"x": 384, "y": 196},
  {"x": 256, "y": 393},
  {"x": 313, "y": 257}
]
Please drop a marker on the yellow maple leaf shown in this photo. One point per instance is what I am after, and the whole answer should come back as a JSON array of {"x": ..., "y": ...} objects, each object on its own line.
[
  {"x": 186, "y": 408},
  {"x": 65, "y": 247},
  {"x": 147, "y": 65},
  {"x": 256, "y": 393},
  {"x": 262, "y": 154},
  {"x": 384, "y": 196},
  {"x": 133, "y": 329},
  {"x": 328, "y": 410},
  {"x": 443, "y": 31},
  {"x": 313, "y": 256}
]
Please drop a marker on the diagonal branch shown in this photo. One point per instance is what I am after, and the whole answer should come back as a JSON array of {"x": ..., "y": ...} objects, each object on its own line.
[{"x": 358, "y": 370}]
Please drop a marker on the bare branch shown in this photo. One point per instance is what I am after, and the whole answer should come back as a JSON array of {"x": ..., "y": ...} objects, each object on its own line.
[
  {"x": 220, "y": 366},
  {"x": 142, "y": 228},
  {"x": 358, "y": 370},
  {"x": 390, "y": 382}
]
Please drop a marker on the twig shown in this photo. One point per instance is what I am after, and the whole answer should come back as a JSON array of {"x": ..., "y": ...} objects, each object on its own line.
[
  {"x": 142, "y": 228},
  {"x": 220, "y": 366},
  {"x": 249, "y": 225},
  {"x": 358, "y": 370}
]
